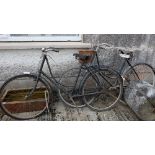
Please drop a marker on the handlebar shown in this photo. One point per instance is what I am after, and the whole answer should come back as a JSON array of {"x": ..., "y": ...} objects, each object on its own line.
[{"x": 50, "y": 49}]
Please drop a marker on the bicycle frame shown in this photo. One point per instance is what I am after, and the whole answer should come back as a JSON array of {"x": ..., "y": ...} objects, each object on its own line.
[
  {"x": 121, "y": 69},
  {"x": 52, "y": 79},
  {"x": 130, "y": 65},
  {"x": 40, "y": 72}
]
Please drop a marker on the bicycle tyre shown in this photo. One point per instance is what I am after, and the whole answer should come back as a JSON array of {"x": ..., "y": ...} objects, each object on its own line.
[
  {"x": 17, "y": 105},
  {"x": 144, "y": 71},
  {"x": 67, "y": 82},
  {"x": 110, "y": 80}
]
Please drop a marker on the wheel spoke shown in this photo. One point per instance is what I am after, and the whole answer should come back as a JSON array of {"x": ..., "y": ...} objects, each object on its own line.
[
  {"x": 105, "y": 95},
  {"x": 22, "y": 98}
]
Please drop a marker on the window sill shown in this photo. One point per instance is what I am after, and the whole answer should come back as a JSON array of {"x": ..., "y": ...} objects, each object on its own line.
[{"x": 38, "y": 45}]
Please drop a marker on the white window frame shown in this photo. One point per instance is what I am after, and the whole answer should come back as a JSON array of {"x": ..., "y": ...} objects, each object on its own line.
[{"x": 8, "y": 38}]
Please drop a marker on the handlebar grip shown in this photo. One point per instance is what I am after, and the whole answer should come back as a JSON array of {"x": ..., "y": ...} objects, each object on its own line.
[{"x": 50, "y": 49}]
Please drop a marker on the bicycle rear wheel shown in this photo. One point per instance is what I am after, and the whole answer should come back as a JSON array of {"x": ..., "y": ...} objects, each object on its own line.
[
  {"x": 23, "y": 97},
  {"x": 70, "y": 87},
  {"x": 102, "y": 89},
  {"x": 140, "y": 71}
]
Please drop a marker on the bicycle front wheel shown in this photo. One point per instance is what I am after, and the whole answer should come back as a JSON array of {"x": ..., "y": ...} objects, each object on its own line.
[
  {"x": 140, "y": 71},
  {"x": 24, "y": 96},
  {"x": 102, "y": 89}
]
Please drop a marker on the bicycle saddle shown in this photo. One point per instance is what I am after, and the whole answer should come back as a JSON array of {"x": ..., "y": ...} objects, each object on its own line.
[
  {"x": 126, "y": 55},
  {"x": 82, "y": 56}
]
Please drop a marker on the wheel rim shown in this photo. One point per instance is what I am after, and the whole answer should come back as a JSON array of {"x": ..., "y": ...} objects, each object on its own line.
[
  {"x": 144, "y": 72},
  {"x": 20, "y": 102},
  {"x": 105, "y": 97},
  {"x": 69, "y": 96}
]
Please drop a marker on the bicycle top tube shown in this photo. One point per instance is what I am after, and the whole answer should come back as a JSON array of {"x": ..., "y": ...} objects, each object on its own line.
[{"x": 44, "y": 60}]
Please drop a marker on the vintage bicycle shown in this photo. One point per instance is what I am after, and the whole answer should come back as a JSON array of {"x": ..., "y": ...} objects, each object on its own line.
[
  {"x": 134, "y": 72},
  {"x": 29, "y": 95}
]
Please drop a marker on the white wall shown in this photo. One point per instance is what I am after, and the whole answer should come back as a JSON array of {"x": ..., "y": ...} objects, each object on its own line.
[{"x": 14, "y": 62}]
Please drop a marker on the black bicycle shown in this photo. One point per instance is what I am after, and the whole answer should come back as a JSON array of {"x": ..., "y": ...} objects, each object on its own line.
[
  {"x": 108, "y": 99},
  {"x": 28, "y": 95},
  {"x": 97, "y": 84}
]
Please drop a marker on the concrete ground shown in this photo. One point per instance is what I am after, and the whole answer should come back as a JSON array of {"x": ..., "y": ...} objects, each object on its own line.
[{"x": 64, "y": 113}]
